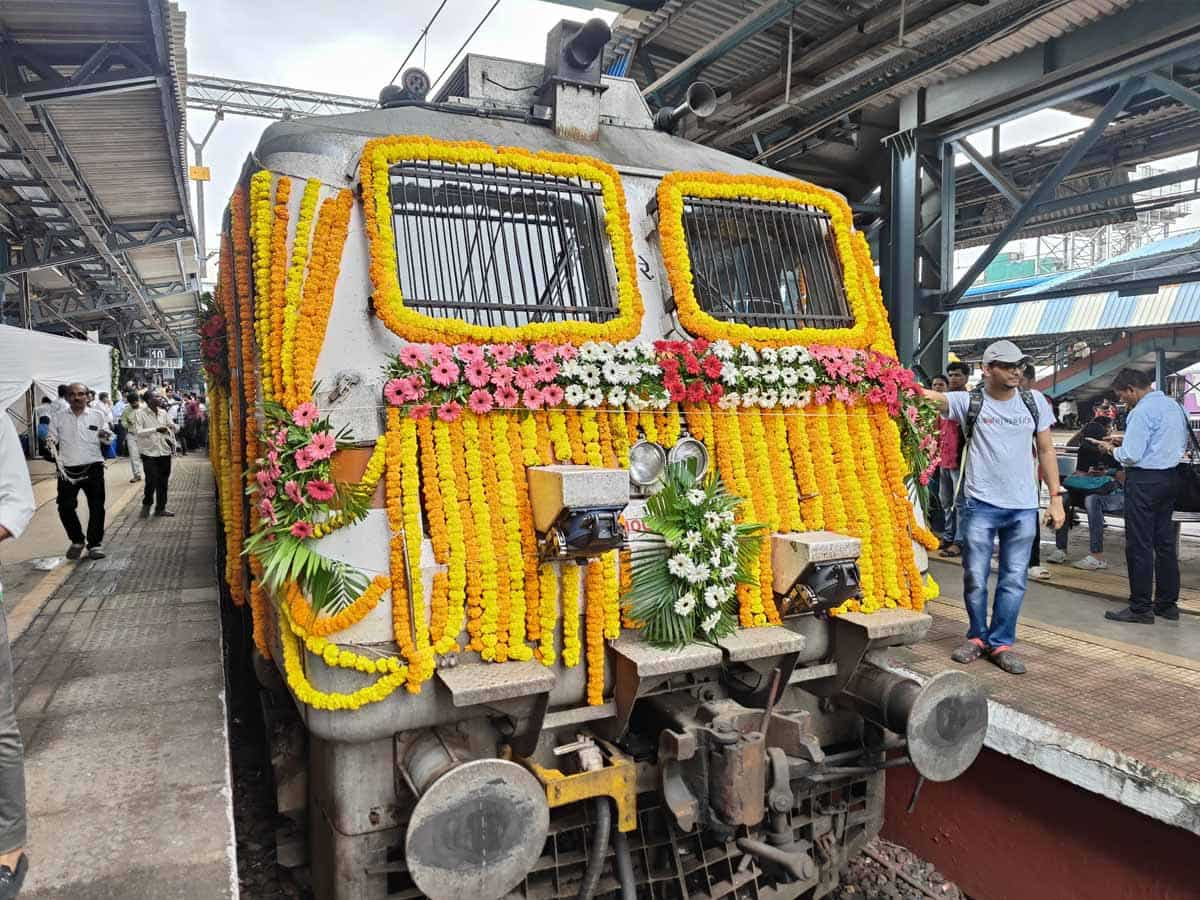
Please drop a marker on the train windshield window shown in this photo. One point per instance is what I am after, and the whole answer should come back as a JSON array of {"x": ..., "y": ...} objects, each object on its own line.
[
  {"x": 498, "y": 246},
  {"x": 772, "y": 265}
]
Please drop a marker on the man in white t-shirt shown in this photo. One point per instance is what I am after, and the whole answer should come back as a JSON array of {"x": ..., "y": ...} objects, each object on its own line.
[{"x": 999, "y": 486}]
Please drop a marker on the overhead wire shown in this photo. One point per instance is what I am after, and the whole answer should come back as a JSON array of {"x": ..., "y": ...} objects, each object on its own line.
[
  {"x": 470, "y": 36},
  {"x": 421, "y": 37}
]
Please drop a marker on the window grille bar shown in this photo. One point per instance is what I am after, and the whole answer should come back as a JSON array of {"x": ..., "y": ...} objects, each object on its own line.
[
  {"x": 500, "y": 246},
  {"x": 771, "y": 264}
]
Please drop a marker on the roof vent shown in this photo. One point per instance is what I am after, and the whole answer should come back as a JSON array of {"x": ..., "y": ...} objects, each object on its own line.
[{"x": 571, "y": 80}]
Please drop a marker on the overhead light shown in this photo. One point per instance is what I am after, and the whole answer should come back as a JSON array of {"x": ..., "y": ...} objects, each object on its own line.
[{"x": 690, "y": 450}]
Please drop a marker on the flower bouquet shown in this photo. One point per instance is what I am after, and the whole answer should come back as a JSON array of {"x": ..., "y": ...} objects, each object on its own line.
[
  {"x": 685, "y": 574},
  {"x": 296, "y": 498},
  {"x": 214, "y": 339}
]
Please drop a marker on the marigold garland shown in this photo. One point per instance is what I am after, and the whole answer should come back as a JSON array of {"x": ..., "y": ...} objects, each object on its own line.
[
  {"x": 499, "y": 548},
  {"x": 402, "y": 625},
  {"x": 594, "y": 617},
  {"x": 446, "y": 637},
  {"x": 411, "y": 490},
  {"x": 483, "y": 637},
  {"x": 260, "y": 226},
  {"x": 512, "y": 522},
  {"x": 279, "y": 255},
  {"x": 317, "y": 303},
  {"x": 787, "y": 498},
  {"x": 323, "y": 625},
  {"x": 569, "y": 605},
  {"x": 292, "y": 288},
  {"x": 379, "y": 154},
  {"x": 548, "y": 591}
]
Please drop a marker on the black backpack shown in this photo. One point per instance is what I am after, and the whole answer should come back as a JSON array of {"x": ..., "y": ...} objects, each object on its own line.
[{"x": 973, "y": 409}]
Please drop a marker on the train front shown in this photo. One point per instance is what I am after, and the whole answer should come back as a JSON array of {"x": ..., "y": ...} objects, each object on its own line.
[{"x": 565, "y": 468}]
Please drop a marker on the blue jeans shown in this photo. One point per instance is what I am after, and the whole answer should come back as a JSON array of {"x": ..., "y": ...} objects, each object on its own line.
[
  {"x": 947, "y": 482},
  {"x": 1017, "y": 529}
]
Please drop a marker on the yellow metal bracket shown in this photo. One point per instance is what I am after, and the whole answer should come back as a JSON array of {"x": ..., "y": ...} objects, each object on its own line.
[{"x": 617, "y": 779}]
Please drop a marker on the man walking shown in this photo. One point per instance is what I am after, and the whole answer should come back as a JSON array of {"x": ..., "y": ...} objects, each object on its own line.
[
  {"x": 16, "y": 510},
  {"x": 133, "y": 402},
  {"x": 156, "y": 435},
  {"x": 1150, "y": 449},
  {"x": 75, "y": 436},
  {"x": 999, "y": 496}
]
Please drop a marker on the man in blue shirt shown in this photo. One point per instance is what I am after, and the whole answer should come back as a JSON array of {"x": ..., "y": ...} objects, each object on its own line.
[{"x": 1154, "y": 441}]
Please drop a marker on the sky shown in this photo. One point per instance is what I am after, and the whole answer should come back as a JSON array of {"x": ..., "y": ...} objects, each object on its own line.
[{"x": 340, "y": 48}]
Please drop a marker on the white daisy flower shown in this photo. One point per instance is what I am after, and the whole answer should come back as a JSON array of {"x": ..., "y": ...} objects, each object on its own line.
[
  {"x": 710, "y": 622},
  {"x": 692, "y": 540},
  {"x": 768, "y": 399},
  {"x": 696, "y": 497},
  {"x": 750, "y": 373},
  {"x": 714, "y": 561},
  {"x": 627, "y": 350},
  {"x": 661, "y": 402},
  {"x": 729, "y": 539},
  {"x": 751, "y": 397},
  {"x": 727, "y": 516},
  {"x": 615, "y": 373},
  {"x": 722, "y": 350},
  {"x": 571, "y": 369},
  {"x": 787, "y": 355},
  {"x": 790, "y": 377},
  {"x": 590, "y": 375},
  {"x": 713, "y": 596},
  {"x": 594, "y": 397},
  {"x": 591, "y": 352},
  {"x": 637, "y": 402},
  {"x": 732, "y": 400},
  {"x": 768, "y": 355},
  {"x": 685, "y": 604},
  {"x": 712, "y": 521},
  {"x": 770, "y": 374},
  {"x": 749, "y": 354},
  {"x": 788, "y": 397},
  {"x": 802, "y": 355},
  {"x": 617, "y": 396},
  {"x": 573, "y": 395},
  {"x": 804, "y": 398},
  {"x": 728, "y": 571},
  {"x": 679, "y": 565},
  {"x": 807, "y": 374}
]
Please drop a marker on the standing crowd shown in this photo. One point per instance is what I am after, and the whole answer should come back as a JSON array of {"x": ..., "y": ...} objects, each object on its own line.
[{"x": 995, "y": 453}]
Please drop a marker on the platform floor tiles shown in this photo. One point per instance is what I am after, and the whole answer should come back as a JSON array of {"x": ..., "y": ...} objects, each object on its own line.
[{"x": 120, "y": 699}]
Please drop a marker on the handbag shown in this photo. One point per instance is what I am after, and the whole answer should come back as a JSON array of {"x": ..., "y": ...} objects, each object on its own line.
[
  {"x": 1187, "y": 497},
  {"x": 1090, "y": 484}
]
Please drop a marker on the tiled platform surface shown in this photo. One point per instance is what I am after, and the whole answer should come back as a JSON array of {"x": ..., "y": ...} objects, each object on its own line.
[
  {"x": 1114, "y": 718},
  {"x": 120, "y": 698}
]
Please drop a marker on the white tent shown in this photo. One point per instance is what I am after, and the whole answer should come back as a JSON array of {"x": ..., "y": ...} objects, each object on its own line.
[{"x": 44, "y": 361}]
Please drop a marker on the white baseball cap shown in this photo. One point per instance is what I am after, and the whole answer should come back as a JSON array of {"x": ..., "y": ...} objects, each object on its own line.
[{"x": 1004, "y": 352}]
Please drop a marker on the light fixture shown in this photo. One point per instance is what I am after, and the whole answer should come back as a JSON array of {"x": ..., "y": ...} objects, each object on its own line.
[
  {"x": 647, "y": 462},
  {"x": 690, "y": 450}
]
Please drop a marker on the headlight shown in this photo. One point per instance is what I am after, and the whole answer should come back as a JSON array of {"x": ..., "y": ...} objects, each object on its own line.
[
  {"x": 690, "y": 450},
  {"x": 647, "y": 461}
]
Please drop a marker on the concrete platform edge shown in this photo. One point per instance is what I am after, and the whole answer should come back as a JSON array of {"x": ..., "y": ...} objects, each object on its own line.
[
  {"x": 235, "y": 889},
  {"x": 1080, "y": 761}
]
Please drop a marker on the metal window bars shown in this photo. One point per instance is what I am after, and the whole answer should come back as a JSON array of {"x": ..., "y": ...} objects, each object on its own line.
[
  {"x": 767, "y": 264},
  {"x": 498, "y": 246}
]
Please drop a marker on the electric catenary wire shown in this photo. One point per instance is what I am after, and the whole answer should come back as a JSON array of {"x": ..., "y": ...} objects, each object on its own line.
[
  {"x": 417, "y": 43},
  {"x": 470, "y": 36}
]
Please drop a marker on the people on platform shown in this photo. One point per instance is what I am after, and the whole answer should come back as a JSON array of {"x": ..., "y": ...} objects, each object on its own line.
[
  {"x": 1068, "y": 412},
  {"x": 155, "y": 432},
  {"x": 42, "y": 418},
  {"x": 1097, "y": 486},
  {"x": 173, "y": 404},
  {"x": 132, "y": 403},
  {"x": 999, "y": 496},
  {"x": 1151, "y": 447},
  {"x": 16, "y": 511},
  {"x": 950, "y": 444},
  {"x": 75, "y": 437},
  {"x": 60, "y": 402}
]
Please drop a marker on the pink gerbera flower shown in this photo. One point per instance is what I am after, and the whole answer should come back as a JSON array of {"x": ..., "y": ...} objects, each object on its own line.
[
  {"x": 548, "y": 371},
  {"x": 320, "y": 490},
  {"x": 444, "y": 373},
  {"x": 527, "y": 377},
  {"x": 305, "y": 414},
  {"x": 480, "y": 402},
  {"x": 304, "y": 459},
  {"x": 393, "y": 391},
  {"x": 267, "y": 510},
  {"x": 842, "y": 393},
  {"x": 293, "y": 492},
  {"x": 503, "y": 375},
  {"x": 566, "y": 352},
  {"x": 552, "y": 395},
  {"x": 440, "y": 353},
  {"x": 413, "y": 356},
  {"x": 533, "y": 398},
  {"x": 301, "y": 530},
  {"x": 420, "y": 411},
  {"x": 506, "y": 397},
  {"x": 479, "y": 374},
  {"x": 543, "y": 351},
  {"x": 322, "y": 446},
  {"x": 267, "y": 490},
  {"x": 502, "y": 353},
  {"x": 469, "y": 353},
  {"x": 449, "y": 411},
  {"x": 263, "y": 477}
]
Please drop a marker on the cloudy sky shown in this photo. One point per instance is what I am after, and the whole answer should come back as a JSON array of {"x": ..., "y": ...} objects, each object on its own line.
[{"x": 340, "y": 48}]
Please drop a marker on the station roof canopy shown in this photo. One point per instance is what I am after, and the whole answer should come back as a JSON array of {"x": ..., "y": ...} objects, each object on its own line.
[{"x": 93, "y": 196}]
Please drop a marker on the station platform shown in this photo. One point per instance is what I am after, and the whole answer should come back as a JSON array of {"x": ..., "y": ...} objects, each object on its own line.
[{"x": 120, "y": 698}]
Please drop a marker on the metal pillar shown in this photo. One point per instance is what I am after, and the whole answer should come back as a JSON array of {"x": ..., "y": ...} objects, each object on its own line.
[
  {"x": 1160, "y": 369},
  {"x": 198, "y": 155},
  {"x": 26, "y": 313},
  {"x": 904, "y": 201}
]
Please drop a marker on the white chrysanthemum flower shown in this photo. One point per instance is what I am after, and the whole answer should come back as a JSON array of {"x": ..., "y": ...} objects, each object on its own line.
[
  {"x": 790, "y": 377},
  {"x": 788, "y": 397},
  {"x": 749, "y": 354},
  {"x": 750, "y": 373},
  {"x": 751, "y": 397},
  {"x": 768, "y": 355},
  {"x": 699, "y": 574},
  {"x": 627, "y": 350},
  {"x": 728, "y": 571},
  {"x": 685, "y": 604},
  {"x": 617, "y": 396},
  {"x": 594, "y": 397},
  {"x": 590, "y": 375},
  {"x": 571, "y": 369},
  {"x": 722, "y": 350},
  {"x": 807, "y": 374},
  {"x": 711, "y": 622},
  {"x": 696, "y": 497},
  {"x": 802, "y": 355},
  {"x": 804, "y": 398},
  {"x": 614, "y": 372},
  {"x": 713, "y": 521},
  {"x": 713, "y": 596},
  {"x": 678, "y": 564},
  {"x": 573, "y": 395},
  {"x": 768, "y": 399},
  {"x": 787, "y": 355},
  {"x": 732, "y": 400},
  {"x": 692, "y": 540},
  {"x": 730, "y": 374},
  {"x": 592, "y": 352},
  {"x": 770, "y": 374}
]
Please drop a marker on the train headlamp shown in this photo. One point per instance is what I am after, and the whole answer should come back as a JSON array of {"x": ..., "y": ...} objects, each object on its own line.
[
  {"x": 690, "y": 451},
  {"x": 647, "y": 463}
]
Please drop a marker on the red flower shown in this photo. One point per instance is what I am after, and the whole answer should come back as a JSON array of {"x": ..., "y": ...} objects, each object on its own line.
[
  {"x": 715, "y": 393},
  {"x": 692, "y": 364},
  {"x": 420, "y": 411},
  {"x": 711, "y": 366},
  {"x": 699, "y": 345},
  {"x": 320, "y": 490},
  {"x": 449, "y": 411},
  {"x": 695, "y": 392},
  {"x": 301, "y": 530}
]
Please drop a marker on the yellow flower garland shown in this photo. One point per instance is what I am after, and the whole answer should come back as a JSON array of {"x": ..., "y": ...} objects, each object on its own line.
[
  {"x": 316, "y": 301},
  {"x": 485, "y": 557},
  {"x": 446, "y": 637},
  {"x": 548, "y": 590},
  {"x": 379, "y": 154},
  {"x": 491, "y": 489},
  {"x": 570, "y": 615},
  {"x": 292, "y": 288},
  {"x": 410, "y": 487},
  {"x": 260, "y": 226},
  {"x": 677, "y": 185},
  {"x": 510, "y": 515},
  {"x": 790, "y": 518},
  {"x": 594, "y": 598},
  {"x": 278, "y": 259},
  {"x": 322, "y": 625}
]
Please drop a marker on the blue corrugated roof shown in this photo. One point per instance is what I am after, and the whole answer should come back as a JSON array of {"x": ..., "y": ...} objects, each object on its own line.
[{"x": 1012, "y": 284}]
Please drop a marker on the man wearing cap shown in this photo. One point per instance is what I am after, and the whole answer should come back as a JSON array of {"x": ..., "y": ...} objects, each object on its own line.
[{"x": 999, "y": 496}]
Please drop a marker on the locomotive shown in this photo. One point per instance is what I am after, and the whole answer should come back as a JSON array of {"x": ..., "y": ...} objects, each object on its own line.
[{"x": 452, "y": 741}]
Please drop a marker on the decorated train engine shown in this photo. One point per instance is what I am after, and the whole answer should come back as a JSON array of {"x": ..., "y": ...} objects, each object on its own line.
[{"x": 565, "y": 473}]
